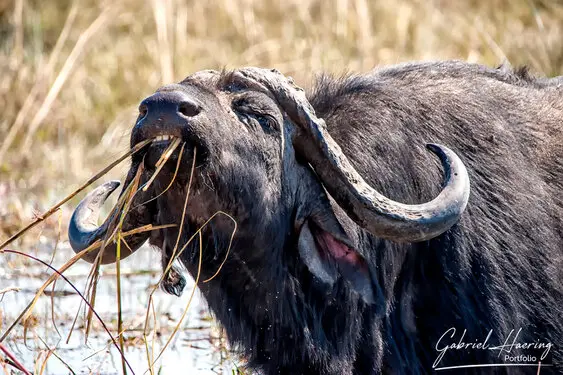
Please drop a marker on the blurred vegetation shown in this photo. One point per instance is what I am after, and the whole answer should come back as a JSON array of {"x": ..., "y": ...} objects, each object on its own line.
[{"x": 73, "y": 71}]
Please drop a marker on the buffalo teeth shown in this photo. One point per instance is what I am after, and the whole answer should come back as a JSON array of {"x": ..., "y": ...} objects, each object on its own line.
[{"x": 164, "y": 138}]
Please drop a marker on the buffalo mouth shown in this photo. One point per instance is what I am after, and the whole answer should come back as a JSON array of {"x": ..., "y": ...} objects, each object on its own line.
[
  {"x": 156, "y": 149},
  {"x": 152, "y": 154}
]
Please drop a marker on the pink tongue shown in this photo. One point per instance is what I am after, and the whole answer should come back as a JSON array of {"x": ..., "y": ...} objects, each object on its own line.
[{"x": 338, "y": 250}]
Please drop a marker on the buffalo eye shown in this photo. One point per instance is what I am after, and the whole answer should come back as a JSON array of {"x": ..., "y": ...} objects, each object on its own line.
[
  {"x": 249, "y": 109},
  {"x": 264, "y": 121}
]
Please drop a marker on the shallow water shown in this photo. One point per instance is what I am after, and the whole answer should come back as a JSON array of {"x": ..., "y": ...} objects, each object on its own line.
[{"x": 197, "y": 348}]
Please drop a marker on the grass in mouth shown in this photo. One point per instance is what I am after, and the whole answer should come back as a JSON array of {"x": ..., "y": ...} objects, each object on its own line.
[{"x": 115, "y": 233}]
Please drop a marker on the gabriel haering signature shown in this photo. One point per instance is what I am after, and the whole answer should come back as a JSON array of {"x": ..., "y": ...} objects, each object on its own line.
[{"x": 506, "y": 351}]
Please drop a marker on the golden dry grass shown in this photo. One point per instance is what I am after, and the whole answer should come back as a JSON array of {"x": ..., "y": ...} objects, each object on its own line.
[{"x": 73, "y": 71}]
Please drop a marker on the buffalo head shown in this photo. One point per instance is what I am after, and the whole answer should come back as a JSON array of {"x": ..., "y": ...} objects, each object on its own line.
[{"x": 262, "y": 156}]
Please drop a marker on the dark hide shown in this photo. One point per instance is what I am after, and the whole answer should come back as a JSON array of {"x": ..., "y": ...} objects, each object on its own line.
[{"x": 381, "y": 307}]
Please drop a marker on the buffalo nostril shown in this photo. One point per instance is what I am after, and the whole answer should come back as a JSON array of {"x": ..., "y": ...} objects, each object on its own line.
[
  {"x": 188, "y": 108},
  {"x": 143, "y": 110}
]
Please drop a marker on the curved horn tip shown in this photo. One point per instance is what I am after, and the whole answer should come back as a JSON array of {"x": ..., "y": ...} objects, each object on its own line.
[
  {"x": 108, "y": 187},
  {"x": 456, "y": 175},
  {"x": 99, "y": 195},
  {"x": 82, "y": 227},
  {"x": 443, "y": 152},
  {"x": 438, "y": 149},
  {"x": 433, "y": 147},
  {"x": 450, "y": 161}
]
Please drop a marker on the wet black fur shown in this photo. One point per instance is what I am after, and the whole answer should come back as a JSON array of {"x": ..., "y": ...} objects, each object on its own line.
[{"x": 499, "y": 268}]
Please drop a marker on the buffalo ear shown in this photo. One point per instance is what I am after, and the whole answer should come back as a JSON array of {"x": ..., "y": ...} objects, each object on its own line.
[{"x": 329, "y": 256}]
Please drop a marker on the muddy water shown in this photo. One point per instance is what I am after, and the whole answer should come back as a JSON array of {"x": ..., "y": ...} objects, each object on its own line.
[{"x": 198, "y": 347}]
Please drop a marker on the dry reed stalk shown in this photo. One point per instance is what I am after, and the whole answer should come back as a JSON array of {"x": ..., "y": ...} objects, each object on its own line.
[
  {"x": 123, "y": 205},
  {"x": 161, "y": 14},
  {"x": 173, "y": 177},
  {"x": 150, "y": 350},
  {"x": 113, "y": 229},
  {"x": 7, "y": 290},
  {"x": 173, "y": 256},
  {"x": 133, "y": 191},
  {"x": 162, "y": 161},
  {"x": 44, "y": 73},
  {"x": 13, "y": 359},
  {"x": 44, "y": 361},
  {"x": 18, "y": 32},
  {"x": 54, "y": 353},
  {"x": 72, "y": 195},
  {"x": 63, "y": 75},
  {"x": 119, "y": 311},
  {"x": 184, "y": 313},
  {"x": 26, "y": 313},
  {"x": 197, "y": 233},
  {"x": 57, "y": 240},
  {"x": 183, "y": 211},
  {"x": 56, "y": 273}
]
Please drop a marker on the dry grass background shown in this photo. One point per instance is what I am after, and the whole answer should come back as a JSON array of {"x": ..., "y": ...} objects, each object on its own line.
[{"x": 73, "y": 71}]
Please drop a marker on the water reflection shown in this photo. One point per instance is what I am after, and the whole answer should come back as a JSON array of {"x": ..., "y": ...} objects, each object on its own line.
[{"x": 198, "y": 347}]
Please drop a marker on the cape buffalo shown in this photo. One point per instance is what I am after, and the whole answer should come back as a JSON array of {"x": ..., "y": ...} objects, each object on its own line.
[{"x": 355, "y": 251}]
